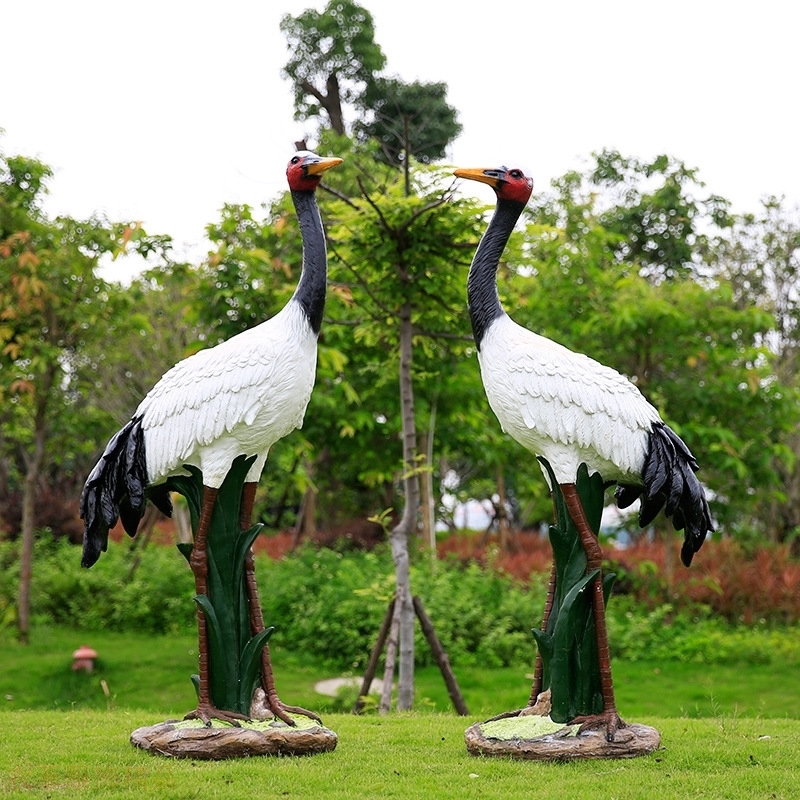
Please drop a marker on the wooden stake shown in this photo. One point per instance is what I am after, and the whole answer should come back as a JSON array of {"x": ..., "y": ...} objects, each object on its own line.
[
  {"x": 372, "y": 665},
  {"x": 441, "y": 659}
]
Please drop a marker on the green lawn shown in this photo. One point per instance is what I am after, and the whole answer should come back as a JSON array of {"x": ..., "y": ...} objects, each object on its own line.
[
  {"x": 152, "y": 673},
  {"x": 87, "y": 754},
  {"x": 727, "y": 732}
]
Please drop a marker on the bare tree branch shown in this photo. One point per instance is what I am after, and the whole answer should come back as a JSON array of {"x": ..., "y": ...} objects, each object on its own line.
[{"x": 361, "y": 282}]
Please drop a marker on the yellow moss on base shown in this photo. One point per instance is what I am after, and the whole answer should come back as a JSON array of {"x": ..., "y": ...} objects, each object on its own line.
[
  {"x": 301, "y": 723},
  {"x": 531, "y": 726}
]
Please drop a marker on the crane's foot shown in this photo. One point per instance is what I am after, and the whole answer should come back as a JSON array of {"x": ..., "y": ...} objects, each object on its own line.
[
  {"x": 609, "y": 719},
  {"x": 282, "y": 711},
  {"x": 507, "y": 715},
  {"x": 205, "y": 712}
]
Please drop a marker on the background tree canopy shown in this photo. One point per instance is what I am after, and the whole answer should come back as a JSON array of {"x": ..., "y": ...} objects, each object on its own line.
[
  {"x": 632, "y": 261},
  {"x": 710, "y": 338}
]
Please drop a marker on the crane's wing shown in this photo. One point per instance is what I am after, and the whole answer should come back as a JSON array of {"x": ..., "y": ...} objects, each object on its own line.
[
  {"x": 216, "y": 391},
  {"x": 564, "y": 398}
]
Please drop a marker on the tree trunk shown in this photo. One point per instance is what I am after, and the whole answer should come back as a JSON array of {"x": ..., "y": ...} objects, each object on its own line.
[
  {"x": 26, "y": 554},
  {"x": 385, "y": 704},
  {"x": 401, "y": 534},
  {"x": 503, "y": 527},
  {"x": 145, "y": 530},
  {"x": 407, "y": 157},
  {"x": 441, "y": 658},
  {"x": 333, "y": 105},
  {"x": 309, "y": 520},
  {"x": 33, "y": 465},
  {"x": 182, "y": 522},
  {"x": 331, "y": 102},
  {"x": 426, "y": 495},
  {"x": 372, "y": 664}
]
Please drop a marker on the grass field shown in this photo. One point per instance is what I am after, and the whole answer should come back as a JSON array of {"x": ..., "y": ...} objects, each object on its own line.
[
  {"x": 152, "y": 673},
  {"x": 87, "y": 754},
  {"x": 727, "y": 731}
]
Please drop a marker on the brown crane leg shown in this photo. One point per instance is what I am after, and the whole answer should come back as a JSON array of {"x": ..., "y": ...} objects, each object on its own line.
[
  {"x": 609, "y": 717},
  {"x": 279, "y": 709},
  {"x": 538, "y": 672},
  {"x": 198, "y": 561}
]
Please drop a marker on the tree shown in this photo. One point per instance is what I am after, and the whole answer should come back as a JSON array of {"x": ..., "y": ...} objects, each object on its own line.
[
  {"x": 659, "y": 316},
  {"x": 650, "y": 209},
  {"x": 335, "y": 48},
  {"x": 154, "y": 327},
  {"x": 394, "y": 251},
  {"x": 53, "y": 305},
  {"x": 759, "y": 256},
  {"x": 333, "y": 57},
  {"x": 409, "y": 120}
]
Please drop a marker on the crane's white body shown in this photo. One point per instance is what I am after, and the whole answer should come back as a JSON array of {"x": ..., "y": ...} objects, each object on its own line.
[
  {"x": 564, "y": 406},
  {"x": 237, "y": 398}
]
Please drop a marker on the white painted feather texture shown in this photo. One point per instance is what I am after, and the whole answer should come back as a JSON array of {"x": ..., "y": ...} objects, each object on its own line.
[
  {"x": 563, "y": 405},
  {"x": 254, "y": 387}
]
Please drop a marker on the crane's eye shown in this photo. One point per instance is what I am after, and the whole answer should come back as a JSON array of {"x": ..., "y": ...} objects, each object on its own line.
[
  {"x": 516, "y": 174},
  {"x": 295, "y": 160}
]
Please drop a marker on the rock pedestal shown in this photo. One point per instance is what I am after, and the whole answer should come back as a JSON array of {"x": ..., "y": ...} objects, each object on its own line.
[
  {"x": 531, "y": 734},
  {"x": 192, "y": 739},
  {"x": 562, "y": 744}
]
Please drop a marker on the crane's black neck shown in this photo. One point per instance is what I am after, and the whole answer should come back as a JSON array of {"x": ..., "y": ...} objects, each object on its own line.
[
  {"x": 482, "y": 298},
  {"x": 310, "y": 291}
]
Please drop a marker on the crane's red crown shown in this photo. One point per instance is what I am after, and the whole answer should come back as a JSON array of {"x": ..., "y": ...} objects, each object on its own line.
[
  {"x": 509, "y": 183},
  {"x": 305, "y": 169}
]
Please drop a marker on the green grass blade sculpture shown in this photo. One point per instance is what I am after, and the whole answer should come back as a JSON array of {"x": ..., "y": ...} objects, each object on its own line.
[
  {"x": 234, "y": 654},
  {"x": 568, "y": 647}
]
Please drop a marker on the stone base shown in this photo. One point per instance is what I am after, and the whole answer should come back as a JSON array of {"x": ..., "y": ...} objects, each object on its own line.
[
  {"x": 192, "y": 739},
  {"x": 537, "y": 737}
]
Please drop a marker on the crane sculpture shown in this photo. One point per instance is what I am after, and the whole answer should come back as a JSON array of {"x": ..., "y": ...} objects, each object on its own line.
[
  {"x": 220, "y": 404},
  {"x": 570, "y": 411}
]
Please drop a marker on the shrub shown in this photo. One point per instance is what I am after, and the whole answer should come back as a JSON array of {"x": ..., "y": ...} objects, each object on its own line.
[
  {"x": 157, "y": 598},
  {"x": 664, "y": 634},
  {"x": 329, "y": 605},
  {"x": 736, "y": 584}
]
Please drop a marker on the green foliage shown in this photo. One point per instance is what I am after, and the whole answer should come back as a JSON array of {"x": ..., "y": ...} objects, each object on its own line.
[
  {"x": 760, "y": 258},
  {"x": 154, "y": 326},
  {"x": 253, "y": 270},
  {"x": 58, "y": 319},
  {"x": 409, "y": 120},
  {"x": 334, "y": 49},
  {"x": 481, "y": 616},
  {"x": 654, "y": 212},
  {"x": 391, "y": 251},
  {"x": 665, "y": 634},
  {"x": 330, "y": 606},
  {"x": 155, "y": 598}
]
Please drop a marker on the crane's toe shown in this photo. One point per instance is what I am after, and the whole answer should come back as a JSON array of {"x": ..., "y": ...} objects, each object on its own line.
[
  {"x": 609, "y": 719},
  {"x": 205, "y": 712},
  {"x": 267, "y": 704},
  {"x": 283, "y": 711}
]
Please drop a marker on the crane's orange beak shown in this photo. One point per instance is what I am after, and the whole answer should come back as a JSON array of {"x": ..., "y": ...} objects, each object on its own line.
[
  {"x": 490, "y": 176},
  {"x": 318, "y": 167}
]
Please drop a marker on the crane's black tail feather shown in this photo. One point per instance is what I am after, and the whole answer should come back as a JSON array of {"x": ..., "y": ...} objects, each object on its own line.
[
  {"x": 115, "y": 489},
  {"x": 670, "y": 483}
]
